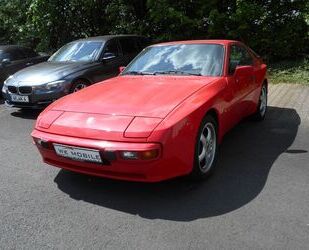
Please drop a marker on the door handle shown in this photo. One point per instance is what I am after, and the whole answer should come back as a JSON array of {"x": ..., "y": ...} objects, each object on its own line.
[{"x": 29, "y": 64}]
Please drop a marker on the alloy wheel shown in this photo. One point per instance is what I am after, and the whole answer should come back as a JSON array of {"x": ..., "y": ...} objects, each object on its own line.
[{"x": 207, "y": 147}]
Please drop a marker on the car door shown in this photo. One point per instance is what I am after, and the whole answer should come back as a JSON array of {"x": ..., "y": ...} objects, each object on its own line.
[
  {"x": 108, "y": 63},
  {"x": 18, "y": 61},
  {"x": 240, "y": 80}
]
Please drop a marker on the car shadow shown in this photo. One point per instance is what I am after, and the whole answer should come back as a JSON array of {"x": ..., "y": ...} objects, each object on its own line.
[
  {"x": 29, "y": 114},
  {"x": 246, "y": 157}
]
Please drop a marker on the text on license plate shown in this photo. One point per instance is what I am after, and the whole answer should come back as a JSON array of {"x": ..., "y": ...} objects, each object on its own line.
[
  {"x": 79, "y": 154},
  {"x": 19, "y": 98}
]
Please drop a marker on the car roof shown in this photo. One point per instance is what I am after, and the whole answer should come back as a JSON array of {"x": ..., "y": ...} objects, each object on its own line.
[
  {"x": 105, "y": 38},
  {"x": 9, "y": 47},
  {"x": 208, "y": 41}
]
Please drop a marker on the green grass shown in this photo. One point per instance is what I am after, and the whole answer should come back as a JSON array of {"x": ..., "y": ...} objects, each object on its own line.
[{"x": 290, "y": 72}]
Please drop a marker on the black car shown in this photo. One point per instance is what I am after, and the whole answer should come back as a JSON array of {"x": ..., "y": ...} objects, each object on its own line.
[
  {"x": 75, "y": 66},
  {"x": 14, "y": 58}
]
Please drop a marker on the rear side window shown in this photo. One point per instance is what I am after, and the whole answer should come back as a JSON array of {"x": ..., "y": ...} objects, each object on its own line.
[{"x": 128, "y": 45}]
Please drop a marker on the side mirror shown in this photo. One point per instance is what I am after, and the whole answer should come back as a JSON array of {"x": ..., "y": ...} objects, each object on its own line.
[
  {"x": 108, "y": 56},
  {"x": 243, "y": 70},
  {"x": 121, "y": 69},
  {"x": 5, "y": 62}
]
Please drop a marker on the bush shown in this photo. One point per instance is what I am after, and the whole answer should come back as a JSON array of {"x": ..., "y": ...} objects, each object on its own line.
[{"x": 275, "y": 29}]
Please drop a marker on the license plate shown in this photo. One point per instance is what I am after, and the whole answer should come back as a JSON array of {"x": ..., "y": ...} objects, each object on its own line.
[
  {"x": 19, "y": 98},
  {"x": 78, "y": 154}
]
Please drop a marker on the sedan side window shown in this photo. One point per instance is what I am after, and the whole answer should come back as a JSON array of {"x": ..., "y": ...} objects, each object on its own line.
[
  {"x": 239, "y": 56},
  {"x": 111, "y": 50}
]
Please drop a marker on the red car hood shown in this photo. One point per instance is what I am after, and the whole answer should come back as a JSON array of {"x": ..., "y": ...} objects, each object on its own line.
[
  {"x": 146, "y": 96},
  {"x": 123, "y": 107}
]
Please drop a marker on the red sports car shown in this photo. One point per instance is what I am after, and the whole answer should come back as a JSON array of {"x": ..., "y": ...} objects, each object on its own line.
[{"x": 163, "y": 116}]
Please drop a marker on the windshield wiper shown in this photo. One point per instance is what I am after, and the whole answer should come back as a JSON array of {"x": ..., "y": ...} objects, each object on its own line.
[
  {"x": 138, "y": 73},
  {"x": 176, "y": 72}
]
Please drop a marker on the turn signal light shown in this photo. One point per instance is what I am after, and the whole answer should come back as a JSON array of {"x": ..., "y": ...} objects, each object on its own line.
[
  {"x": 140, "y": 155},
  {"x": 42, "y": 143},
  {"x": 150, "y": 154}
]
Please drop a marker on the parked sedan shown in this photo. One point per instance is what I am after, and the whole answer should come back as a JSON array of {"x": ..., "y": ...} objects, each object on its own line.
[
  {"x": 14, "y": 58},
  {"x": 73, "y": 67},
  {"x": 163, "y": 117}
]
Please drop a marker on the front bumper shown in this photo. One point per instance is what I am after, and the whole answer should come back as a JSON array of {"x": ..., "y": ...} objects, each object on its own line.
[
  {"x": 37, "y": 99},
  {"x": 132, "y": 170}
]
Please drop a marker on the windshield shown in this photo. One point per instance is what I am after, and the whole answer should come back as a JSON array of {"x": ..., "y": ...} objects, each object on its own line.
[
  {"x": 83, "y": 51},
  {"x": 182, "y": 59}
]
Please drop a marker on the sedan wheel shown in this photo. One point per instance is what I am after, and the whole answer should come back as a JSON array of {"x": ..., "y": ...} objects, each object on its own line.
[
  {"x": 263, "y": 101},
  {"x": 79, "y": 85},
  {"x": 206, "y": 149},
  {"x": 262, "y": 107}
]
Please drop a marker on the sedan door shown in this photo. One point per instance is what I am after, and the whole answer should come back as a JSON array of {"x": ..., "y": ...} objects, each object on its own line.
[
  {"x": 240, "y": 81},
  {"x": 17, "y": 61},
  {"x": 108, "y": 65}
]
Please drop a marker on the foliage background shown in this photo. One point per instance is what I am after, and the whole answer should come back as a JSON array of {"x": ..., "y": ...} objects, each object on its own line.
[{"x": 276, "y": 29}]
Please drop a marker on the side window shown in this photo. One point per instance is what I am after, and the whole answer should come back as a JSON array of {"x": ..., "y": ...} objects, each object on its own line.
[
  {"x": 4, "y": 55},
  {"x": 128, "y": 46},
  {"x": 111, "y": 48},
  {"x": 16, "y": 54},
  {"x": 239, "y": 56}
]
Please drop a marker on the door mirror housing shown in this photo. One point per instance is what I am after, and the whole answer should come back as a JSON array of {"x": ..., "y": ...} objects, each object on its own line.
[
  {"x": 108, "y": 56},
  {"x": 5, "y": 62},
  {"x": 243, "y": 70},
  {"x": 121, "y": 69}
]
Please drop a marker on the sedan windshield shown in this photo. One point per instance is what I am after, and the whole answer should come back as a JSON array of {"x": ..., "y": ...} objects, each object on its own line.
[
  {"x": 83, "y": 51},
  {"x": 180, "y": 59}
]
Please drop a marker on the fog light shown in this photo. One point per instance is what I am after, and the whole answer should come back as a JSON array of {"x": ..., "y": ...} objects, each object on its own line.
[
  {"x": 129, "y": 155},
  {"x": 140, "y": 155}
]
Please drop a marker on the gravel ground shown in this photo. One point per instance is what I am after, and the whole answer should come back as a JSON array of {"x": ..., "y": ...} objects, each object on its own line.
[{"x": 257, "y": 199}]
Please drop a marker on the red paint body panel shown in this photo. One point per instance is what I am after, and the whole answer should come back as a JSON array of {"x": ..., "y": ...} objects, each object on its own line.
[
  {"x": 140, "y": 113},
  {"x": 141, "y": 127},
  {"x": 146, "y": 96}
]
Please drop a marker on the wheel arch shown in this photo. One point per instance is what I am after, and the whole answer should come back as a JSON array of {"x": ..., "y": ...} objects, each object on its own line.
[
  {"x": 215, "y": 114},
  {"x": 79, "y": 78}
]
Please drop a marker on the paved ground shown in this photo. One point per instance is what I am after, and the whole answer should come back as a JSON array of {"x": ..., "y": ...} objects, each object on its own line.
[{"x": 258, "y": 198}]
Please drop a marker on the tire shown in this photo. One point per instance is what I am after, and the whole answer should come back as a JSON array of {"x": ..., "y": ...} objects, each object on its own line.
[
  {"x": 78, "y": 85},
  {"x": 262, "y": 106},
  {"x": 206, "y": 141}
]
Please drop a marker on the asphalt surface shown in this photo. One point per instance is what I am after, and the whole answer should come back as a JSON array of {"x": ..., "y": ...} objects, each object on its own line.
[{"x": 258, "y": 198}]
